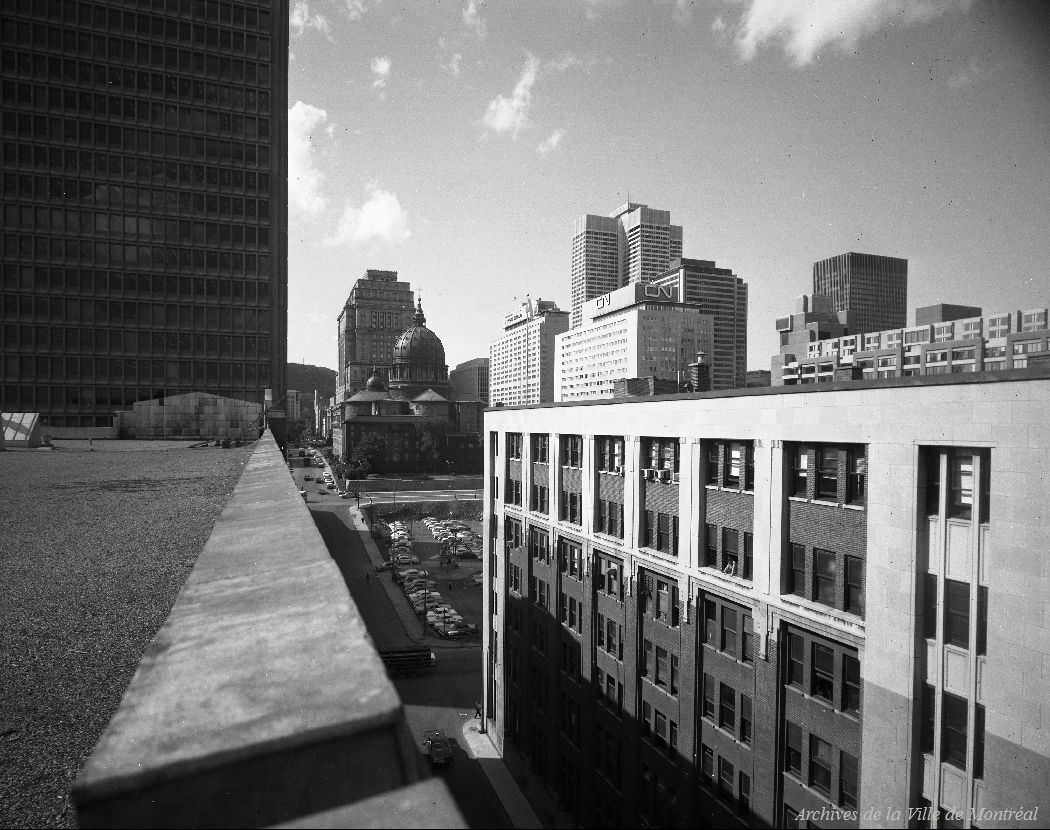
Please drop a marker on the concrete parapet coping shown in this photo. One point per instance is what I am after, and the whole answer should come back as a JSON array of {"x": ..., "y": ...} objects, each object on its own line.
[{"x": 261, "y": 698}]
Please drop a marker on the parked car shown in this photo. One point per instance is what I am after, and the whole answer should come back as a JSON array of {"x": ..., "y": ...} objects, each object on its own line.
[
  {"x": 382, "y": 566},
  {"x": 321, "y": 491},
  {"x": 437, "y": 746},
  {"x": 461, "y": 629},
  {"x": 308, "y": 478}
]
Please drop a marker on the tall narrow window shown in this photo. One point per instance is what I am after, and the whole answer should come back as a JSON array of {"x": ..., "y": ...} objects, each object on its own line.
[
  {"x": 735, "y": 465},
  {"x": 820, "y": 760},
  {"x": 711, "y": 546},
  {"x": 729, "y": 631},
  {"x": 710, "y": 622},
  {"x": 749, "y": 540},
  {"x": 727, "y": 707},
  {"x": 793, "y": 749},
  {"x": 927, "y": 719},
  {"x": 957, "y": 613},
  {"x": 850, "y": 684},
  {"x": 729, "y": 550},
  {"x": 828, "y": 473},
  {"x": 847, "y": 781},
  {"x": 856, "y": 475},
  {"x": 796, "y": 664},
  {"x": 745, "y": 719},
  {"x": 800, "y": 472},
  {"x": 824, "y": 576},
  {"x": 823, "y": 672},
  {"x": 953, "y": 730},
  {"x": 712, "y": 462},
  {"x": 960, "y": 493},
  {"x": 797, "y": 576},
  {"x": 855, "y": 585},
  {"x": 709, "y": 696}
]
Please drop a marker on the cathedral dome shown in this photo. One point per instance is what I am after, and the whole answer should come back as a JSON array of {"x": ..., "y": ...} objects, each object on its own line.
[{"x": 418, "y": 345}]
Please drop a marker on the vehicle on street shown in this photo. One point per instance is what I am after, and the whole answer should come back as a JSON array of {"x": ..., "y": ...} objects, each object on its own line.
[
  {"x": 437, "y": 746},
  {"x": 382, "y": 566},
  {"x": 461, "y": 629},
  {"x": 342, "y": 494},
  {"x": 321, "y": 491},
  {"x": 308, "y": 478}
]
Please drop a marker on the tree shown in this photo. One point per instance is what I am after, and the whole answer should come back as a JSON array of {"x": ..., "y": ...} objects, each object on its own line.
[
  {"x": 431, "y": 441},
  {"x": 369, "y": 454}
]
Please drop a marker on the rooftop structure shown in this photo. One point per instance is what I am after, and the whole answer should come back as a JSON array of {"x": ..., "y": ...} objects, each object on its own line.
[{"x": 872, "y": 287}]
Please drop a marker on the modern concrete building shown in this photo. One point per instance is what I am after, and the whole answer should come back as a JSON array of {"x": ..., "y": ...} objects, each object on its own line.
[
  {"x": 775, "y": 606},
  {"x": 378, "y": 309},
  {"x": 144, "y": 225},
  {"x": 634, "y": 243},
  {"x": 814, "y": 318},
  {"x": 723, "y": 295},
  {"x": 471, "y": 377},
  {"x": 873, "y": 287},
  {"x": 638, "y": 331},
  {"x": 995, "y": 342},
  {"x": 521, "y": 360}
]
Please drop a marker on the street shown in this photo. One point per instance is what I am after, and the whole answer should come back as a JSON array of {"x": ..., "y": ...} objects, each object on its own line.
[{"x": 441, "y": 699}]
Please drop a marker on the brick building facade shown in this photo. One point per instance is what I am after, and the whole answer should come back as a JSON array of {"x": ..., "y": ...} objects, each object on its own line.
[{"x": 774, "y": 607}]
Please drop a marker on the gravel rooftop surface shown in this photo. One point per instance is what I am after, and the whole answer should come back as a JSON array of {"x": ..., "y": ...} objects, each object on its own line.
[{"x": 95, "y": 545}]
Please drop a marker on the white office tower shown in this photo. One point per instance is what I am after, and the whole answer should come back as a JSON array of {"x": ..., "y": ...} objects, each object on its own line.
[
  {"x": 635, "y": 243},
  {"x": 638, "y": 331},
  {"x": 521, "y": 360}
]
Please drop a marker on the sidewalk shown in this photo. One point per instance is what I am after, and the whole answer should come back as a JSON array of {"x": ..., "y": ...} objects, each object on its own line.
[{"x": 519, "y": 810}]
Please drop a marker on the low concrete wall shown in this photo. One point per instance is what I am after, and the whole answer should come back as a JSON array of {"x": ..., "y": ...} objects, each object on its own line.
[
  {"x": 261, "y": 700},
  {"x": 386, "y": 485}
]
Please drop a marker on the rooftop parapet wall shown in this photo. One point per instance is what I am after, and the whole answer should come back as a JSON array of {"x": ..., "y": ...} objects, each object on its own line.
[{"x": 261, "y": 700}]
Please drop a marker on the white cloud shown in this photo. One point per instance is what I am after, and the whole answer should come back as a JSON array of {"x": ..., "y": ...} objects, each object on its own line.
[
  {"x": 511, "y": 115},
  {"x": 304, "y": 179},
  {"x": 804, "y": 27},
  {"x": 473, "y": 20},
  {"x": 381, "y": 218},
  {"x": 381, "y": 71},
  {"x": 453, "y": 64},
  {"x": 301, "y": 19},
  {"x": 356, "y": 9},
  {"x": 548, "y": 146},
  {"x": 718, "y": 25}
]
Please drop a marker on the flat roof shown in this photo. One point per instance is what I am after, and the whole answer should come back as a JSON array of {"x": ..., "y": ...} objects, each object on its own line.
[{"x": 1009, "y": 375}]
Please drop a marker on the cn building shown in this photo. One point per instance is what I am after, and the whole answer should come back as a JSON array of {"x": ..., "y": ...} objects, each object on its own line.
[{"x": 820, "y": 606}]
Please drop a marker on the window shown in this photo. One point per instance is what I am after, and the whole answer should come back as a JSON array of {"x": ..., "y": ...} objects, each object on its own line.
[
  {"x": 745, "y": 719},
  {"x": 820, "y": 758},
  {"x": 710, "y": 622},
  {"x": 847, "y": 781},
  {"x": 709, "y": 696},
  {"x": 674, "y": 674},
  {"x": 661, "y": 453},
  {"x": 854, "y": 585},
  {"x": 745, "y": 640},
  {"x": 647, "y": 659},
  {"x": 748, "y": 556},
  {"x": 856, "y": 475},
  {"x": 926, "y": 719},
  {"x": 850, "y": 684},
  {"x": 514, "y": 445},
  {"x": 729, "y": 630},
  {"x": 659, "y": 727},
  {"x": 539, "y": 499},
  {"x": 796, "y": 664},
  {"x": 712, "y": 463},
  {"x": 570, "y": 559},
  {"x": 823, "y": 672},
  {"x": 800, "y": 472},
  {"x": 540, "y": 448},
  {"x": 608, "y": 577},
  {"x": 793, "y": 749},
  {"x": 734, "y": 465},
  {"x": 663, "y": 669},
  {"x": 978, "y": 741},
  {"x": 960, "y": 493},
  {"x": 957, "y": 613},
  {"x": 571, "y": 450},
  {"x": 726, "y": 774},
  {"x": 827, "y": 473},
  {"x": 953, "y": 730},
  {"x": 824, "y": 576},
  {"x": 707, "y": 762},
  {"x": 610, "y": 518},
  {"x": 797, "y": 576},
  {"x": 711, "y": 546},
  {"x": 610, "y": 453},
  {"x": 743, "y": 799},
  {"x": 569, "y": 508},
  {"x": 727, "y": 707},
  {"x": 729, "y": 550}
]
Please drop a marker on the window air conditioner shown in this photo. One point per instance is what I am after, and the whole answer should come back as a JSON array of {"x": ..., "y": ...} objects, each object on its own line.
[
  {"x": 650, "y": 475},
  {"x": 665, "y": 475},
  {"x": 618, "y": 470}
]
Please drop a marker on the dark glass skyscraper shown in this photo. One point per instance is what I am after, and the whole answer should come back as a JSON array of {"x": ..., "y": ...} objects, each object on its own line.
[
  {"x": 874, "y": 287},
  {"x": 144, "y": 167}
]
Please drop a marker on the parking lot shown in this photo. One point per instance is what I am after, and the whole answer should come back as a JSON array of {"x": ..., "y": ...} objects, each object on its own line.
[{"x": 439, "y": 565}]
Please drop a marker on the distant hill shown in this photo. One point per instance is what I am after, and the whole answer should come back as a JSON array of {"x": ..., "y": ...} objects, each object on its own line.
[{"x": 306, "y": 378}]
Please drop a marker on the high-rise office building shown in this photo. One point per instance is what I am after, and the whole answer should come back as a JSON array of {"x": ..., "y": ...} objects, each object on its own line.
[
  {"x": 723, "y": 295},
  {"x": 638, "y": 331},
  {"x": 379, "y": 308},
  {"x": 144, "y": 167},
  {"x": 521, "y": 360},
  {"x": 634, "y": 243},
  {"x": 873, "y": 287},
  {"x": 471, "y": 377}
]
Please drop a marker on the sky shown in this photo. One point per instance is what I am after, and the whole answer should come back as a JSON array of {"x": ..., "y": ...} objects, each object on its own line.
[{"x": 457, "y": 142}]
